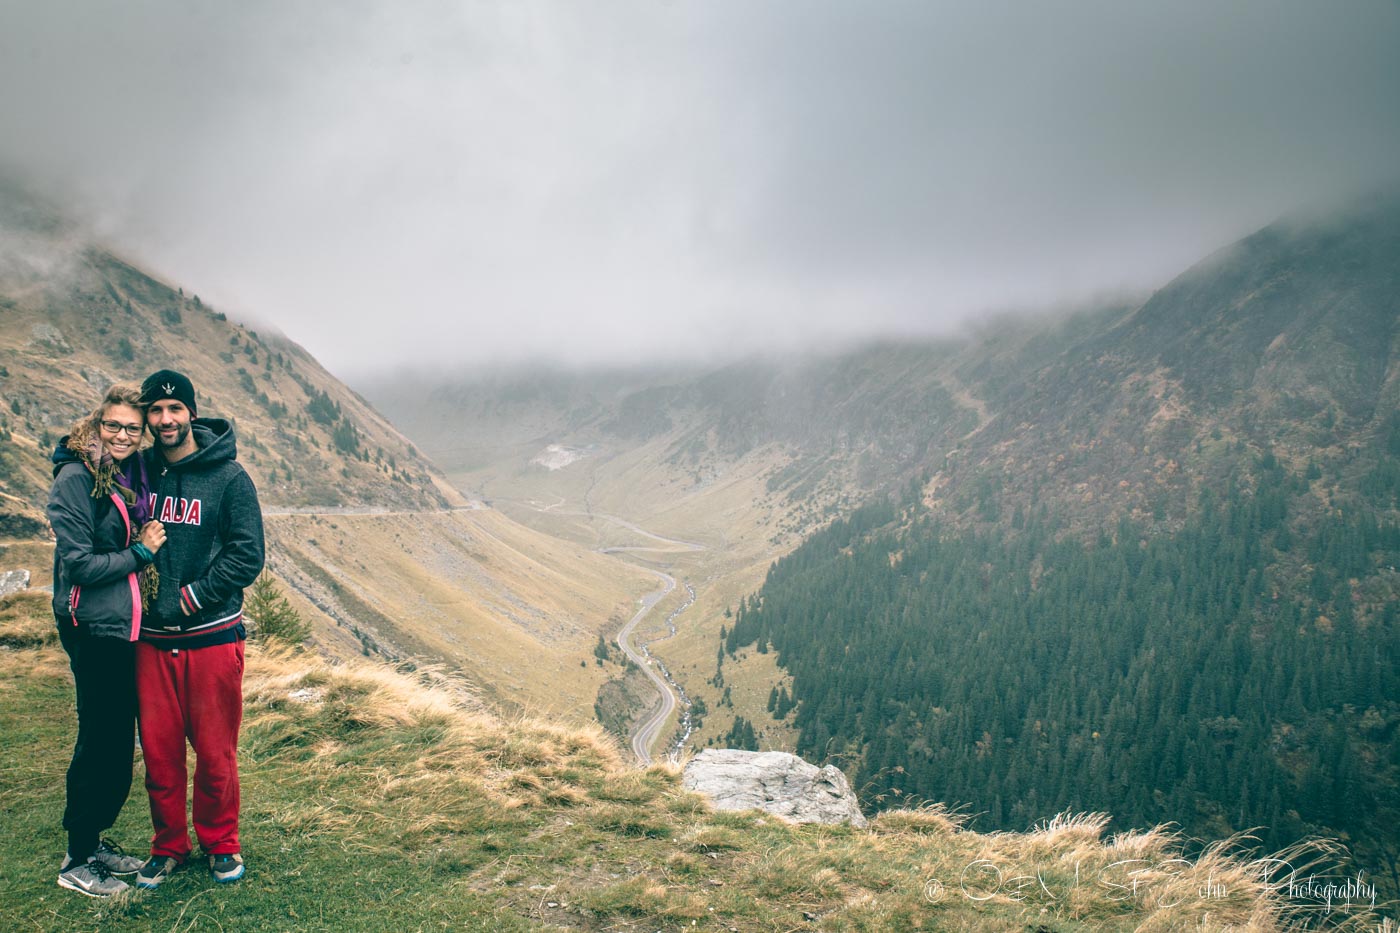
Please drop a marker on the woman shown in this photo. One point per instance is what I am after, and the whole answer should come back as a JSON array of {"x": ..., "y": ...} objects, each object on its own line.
[{"x": 99, "y": 509}]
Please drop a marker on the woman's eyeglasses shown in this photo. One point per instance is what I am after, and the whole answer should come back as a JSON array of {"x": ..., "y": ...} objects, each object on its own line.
[{"x": 114, "y": 427}]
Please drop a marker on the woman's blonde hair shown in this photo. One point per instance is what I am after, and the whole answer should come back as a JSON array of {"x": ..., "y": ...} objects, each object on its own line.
[{"x": 85, "y": 429}]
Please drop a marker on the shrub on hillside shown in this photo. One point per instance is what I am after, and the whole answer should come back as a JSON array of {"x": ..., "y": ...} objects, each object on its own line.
[{"x": 272, "y": 616}]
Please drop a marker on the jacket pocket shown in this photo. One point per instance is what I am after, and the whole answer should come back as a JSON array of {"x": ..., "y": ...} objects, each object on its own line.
[
  {"x": 106, "y": 609},
  {"x": 167, "y": 605}
]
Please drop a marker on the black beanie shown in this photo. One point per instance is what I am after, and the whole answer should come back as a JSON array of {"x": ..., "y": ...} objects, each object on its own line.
[{"x": 167, "y": 383}]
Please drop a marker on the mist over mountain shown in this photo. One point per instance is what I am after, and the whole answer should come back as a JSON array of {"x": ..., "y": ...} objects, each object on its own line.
[{"x": 1284, "y": 341}]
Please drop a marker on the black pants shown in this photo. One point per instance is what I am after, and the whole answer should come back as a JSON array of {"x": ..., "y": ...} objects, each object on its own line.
[{"x": 99, "y": 777}]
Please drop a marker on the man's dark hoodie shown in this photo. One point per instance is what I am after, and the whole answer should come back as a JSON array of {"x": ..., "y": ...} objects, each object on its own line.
[{"x": 213, "y": 541}]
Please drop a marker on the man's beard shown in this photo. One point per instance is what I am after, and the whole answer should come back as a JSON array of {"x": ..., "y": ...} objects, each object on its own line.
[{"x": 181, "y": 432}]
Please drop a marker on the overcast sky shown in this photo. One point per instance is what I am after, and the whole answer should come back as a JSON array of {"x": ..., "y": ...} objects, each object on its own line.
[{"x": 443, "y": 183}]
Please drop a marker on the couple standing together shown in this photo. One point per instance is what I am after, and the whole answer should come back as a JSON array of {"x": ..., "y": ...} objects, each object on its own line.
[{"x": 153, "y": 551}]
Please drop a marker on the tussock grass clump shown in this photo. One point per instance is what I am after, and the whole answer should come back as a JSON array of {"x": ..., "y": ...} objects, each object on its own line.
[
  {"x": 708, "y": 838},
  {"x": 631, "y": 821},
  {"x": 641, "y": 897},
  {"x": 634, "y": 787},
  {"x": 934, "y": 819},
  {"x": 376, "y": 798}
]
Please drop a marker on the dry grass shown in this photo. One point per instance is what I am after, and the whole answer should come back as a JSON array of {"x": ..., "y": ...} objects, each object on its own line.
[
  {"x": 448, "y": 814},
  {"x": 935, "y": 819},
  {"x": 459, "y": 735},
  {"x": 464, "y": 770},
  {"x": 26, "y": 622}
]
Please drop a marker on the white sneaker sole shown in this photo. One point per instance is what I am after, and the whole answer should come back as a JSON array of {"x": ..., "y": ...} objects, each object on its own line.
[
  {"x": 229, "y": 878},
  {"x": 65, "y": 883}
]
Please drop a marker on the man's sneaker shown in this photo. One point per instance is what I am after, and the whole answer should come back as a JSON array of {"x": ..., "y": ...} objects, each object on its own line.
[
  {"x": 155, "y": 871},
  {"x": 91, "y": 878},
  {"x": 116, "y": 859},
  {"x": 226, "y": 867}
]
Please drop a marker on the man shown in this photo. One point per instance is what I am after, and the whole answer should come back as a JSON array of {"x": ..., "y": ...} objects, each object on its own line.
[{"x": 189, "y": 662}]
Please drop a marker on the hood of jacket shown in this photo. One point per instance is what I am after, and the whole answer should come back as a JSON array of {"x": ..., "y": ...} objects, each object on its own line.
[
  {"x": 216, "y": 445},
  {"x": 62, "y": 455}
]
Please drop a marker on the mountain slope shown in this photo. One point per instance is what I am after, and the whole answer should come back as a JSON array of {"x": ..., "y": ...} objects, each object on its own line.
[
  {"x": 1287, "y": 343},
  {"x": 1161, "y": 579}
]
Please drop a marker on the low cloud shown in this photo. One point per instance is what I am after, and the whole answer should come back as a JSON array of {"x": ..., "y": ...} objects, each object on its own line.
[{"x": 451, "y": 184}]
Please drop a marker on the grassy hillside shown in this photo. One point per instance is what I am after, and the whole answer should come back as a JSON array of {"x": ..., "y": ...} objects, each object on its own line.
[
  {"x": 736, "y": 521},
  {"x": 380, "y": 800},
  {"x": 517, "y": 611}
]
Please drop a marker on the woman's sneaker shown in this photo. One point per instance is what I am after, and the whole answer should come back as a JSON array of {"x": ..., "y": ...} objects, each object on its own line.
[
  {"x": 116, "y": 859},
  {"x": 226, "y": 867},
  {"x": 92, "y": 878},
  {"x": 155, "y": 871}
]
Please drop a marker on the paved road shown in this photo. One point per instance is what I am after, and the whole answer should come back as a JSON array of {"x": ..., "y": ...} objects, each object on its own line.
[
  {"x": 646, "y": 733},
  {"x": 675, "y": 544},
  {"x": 475, "y": 505}
]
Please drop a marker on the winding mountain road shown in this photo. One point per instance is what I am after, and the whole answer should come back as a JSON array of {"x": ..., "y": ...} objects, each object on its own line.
[{"x": 646, "y": 733}]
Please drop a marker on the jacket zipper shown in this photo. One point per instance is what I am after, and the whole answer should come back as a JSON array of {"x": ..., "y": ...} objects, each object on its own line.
[{"x": 131, "y": 577}]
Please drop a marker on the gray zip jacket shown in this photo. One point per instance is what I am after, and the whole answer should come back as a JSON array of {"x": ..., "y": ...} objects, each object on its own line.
[{"x": 95, "y": 584}]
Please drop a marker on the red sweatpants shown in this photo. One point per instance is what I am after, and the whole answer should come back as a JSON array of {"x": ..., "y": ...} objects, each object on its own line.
[{"x": 194, "y": 693}]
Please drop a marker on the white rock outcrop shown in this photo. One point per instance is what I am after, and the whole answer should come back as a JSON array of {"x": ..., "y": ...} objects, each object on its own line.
[
  {"x": 775, "y": 782},
  {"x": 12, "y": 581}
]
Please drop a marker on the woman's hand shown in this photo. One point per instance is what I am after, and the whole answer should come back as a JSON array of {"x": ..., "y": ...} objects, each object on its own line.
[{"x": 152, "y": 536}]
